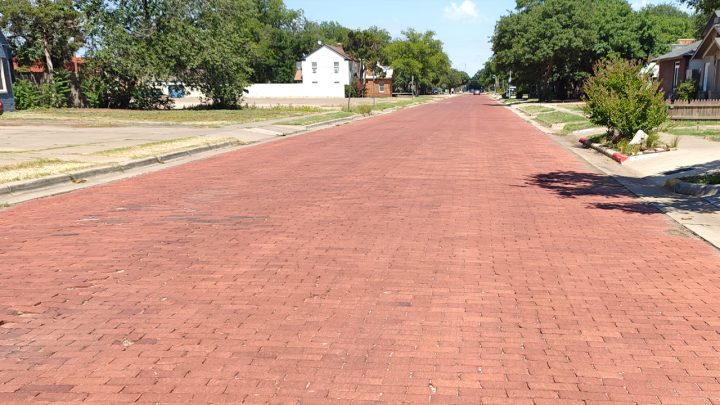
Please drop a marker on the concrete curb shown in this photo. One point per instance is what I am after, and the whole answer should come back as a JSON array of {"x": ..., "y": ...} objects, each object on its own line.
[
  {"x": 679, "y": 186},
  {"x": 79, "y": 177},
  {"x": 614, "y": 155}
]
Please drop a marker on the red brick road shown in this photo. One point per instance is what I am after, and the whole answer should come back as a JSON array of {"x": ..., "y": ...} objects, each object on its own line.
[{"x": 446, "y": 254}]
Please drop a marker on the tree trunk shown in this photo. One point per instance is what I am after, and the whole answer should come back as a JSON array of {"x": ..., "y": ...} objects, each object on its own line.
[{"x": 48, "y": 59}]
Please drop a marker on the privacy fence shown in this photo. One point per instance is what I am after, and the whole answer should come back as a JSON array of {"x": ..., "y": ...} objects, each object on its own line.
[{"x": 695, "y": 110}]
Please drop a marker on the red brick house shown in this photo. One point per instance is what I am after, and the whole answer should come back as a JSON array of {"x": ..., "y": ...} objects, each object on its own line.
[
  {"x": 379, "y": 85},
  {"x": 678, "y": 65}
]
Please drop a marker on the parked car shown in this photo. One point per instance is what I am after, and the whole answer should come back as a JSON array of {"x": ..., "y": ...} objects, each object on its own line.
[{"x": 476, "y": 92}]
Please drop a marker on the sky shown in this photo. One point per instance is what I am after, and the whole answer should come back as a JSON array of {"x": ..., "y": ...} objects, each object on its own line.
[{"x": 464, "y": 26}]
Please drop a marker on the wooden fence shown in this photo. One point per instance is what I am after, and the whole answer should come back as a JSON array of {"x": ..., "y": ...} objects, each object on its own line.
[{"x": 695, "y": 110}]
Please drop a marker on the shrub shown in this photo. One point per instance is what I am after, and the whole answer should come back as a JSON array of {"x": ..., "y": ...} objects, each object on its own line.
[
  {"x": 622, "y": 98},
  {"x": 350, "y": 91},
  {"x": 54, "y": 93},
  {"x": 148, "y": 97},
  {"x": 27, "y": 95},
  {"x": 364, "y": 109},
  {"x": 686, "y": 91}
]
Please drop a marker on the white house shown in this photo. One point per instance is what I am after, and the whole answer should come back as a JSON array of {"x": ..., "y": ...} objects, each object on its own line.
[
  {"x": 329, "y": 65},
  {"x": 323, "y": 73}
]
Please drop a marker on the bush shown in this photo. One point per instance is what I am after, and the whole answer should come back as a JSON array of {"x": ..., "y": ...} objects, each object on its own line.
[
  {"x": 27, "y": 95},
  {"x": 148, "y": 97},
  {"x": 350, "y": 91},
  {"x": 623, "y": 99},
  {"x": 54, "y": 93},
  {"x": 686, "y": 91},
  {"x": 364, "y": 109}
]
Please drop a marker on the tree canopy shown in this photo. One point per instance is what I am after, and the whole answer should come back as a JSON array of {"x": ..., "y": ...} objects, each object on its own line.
[
  {"x": 550, "y": 46},
  {"x": 216, "y": 46}
]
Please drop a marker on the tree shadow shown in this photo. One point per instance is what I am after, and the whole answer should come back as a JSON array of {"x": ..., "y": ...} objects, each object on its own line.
[{"x": 611, "y": 194}]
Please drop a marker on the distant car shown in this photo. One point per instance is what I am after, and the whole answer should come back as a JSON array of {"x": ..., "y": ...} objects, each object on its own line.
[{"x": 476, "y": 92}]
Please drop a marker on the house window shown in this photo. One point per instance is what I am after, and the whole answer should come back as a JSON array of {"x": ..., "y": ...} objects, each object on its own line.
[
  {"x": 3, "y": 84},
  {"x": 382, "y": 87},
  {"x": 676, "y": 75},
  {"x": 337, "y": 67},
  {"x": 314, "y": 67}
]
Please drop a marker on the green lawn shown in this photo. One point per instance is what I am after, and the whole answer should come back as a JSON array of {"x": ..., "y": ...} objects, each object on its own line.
[
  {"x": 535, "y": 109},
  {"x": 692, "y": 131},
  {"x": 314, "y": 119},
  {"x": 683, "y": 123},
  {"x": 577, "y": 126},
  {"x": 107, "y": 117},
  {"x": 558, "y": 117}
]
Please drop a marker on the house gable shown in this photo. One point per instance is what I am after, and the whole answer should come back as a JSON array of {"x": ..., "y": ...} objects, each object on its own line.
[{"x": 327, "y": 66}]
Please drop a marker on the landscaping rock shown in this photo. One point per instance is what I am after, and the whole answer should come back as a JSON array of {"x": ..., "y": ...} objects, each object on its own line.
[{"x": 639, "y": 138}]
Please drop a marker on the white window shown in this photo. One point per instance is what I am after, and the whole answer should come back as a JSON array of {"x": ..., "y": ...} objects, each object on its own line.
[
  {"x": 676, "y": 75},
  {"x": 3, "y": 84},
  {"x": 706, "y": 76},
  {"x": 314, "y": 67},
  {"x": 382, "y": 87},
  {"x": 337, "y": 67}
]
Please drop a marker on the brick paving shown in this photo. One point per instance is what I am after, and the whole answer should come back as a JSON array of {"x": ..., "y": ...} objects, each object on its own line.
[{"x": 444, "y": 254}]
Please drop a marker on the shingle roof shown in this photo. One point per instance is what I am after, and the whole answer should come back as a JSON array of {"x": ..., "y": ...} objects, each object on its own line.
[{"x": 679, "y": 52}]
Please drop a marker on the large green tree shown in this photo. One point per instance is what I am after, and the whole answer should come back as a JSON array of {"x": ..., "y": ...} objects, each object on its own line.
[
  {"x": 550, "y": 46},
  {"x": 670, "y": 24},
  {"x": 418, "y": 58},
  {"x": 48, "y": 30}
]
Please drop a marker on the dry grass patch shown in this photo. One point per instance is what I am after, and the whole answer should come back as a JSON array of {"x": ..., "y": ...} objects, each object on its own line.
[
  {"x": 39, "y": 168},
  {"x": 165, "y": 146}
]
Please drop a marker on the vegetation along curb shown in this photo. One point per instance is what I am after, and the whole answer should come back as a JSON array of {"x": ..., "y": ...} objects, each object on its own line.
[
  {"x": 698, "y": 190},
  {"x": 81, "y": 175}
]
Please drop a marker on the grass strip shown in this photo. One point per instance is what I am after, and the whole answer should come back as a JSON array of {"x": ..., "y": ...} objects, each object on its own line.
[
  {"x": 577, "y": 126},
  {"x": 314, "y": 119},
  {"x": 162, "y": 147},
  {"x": 706, "y": 178},
  {"x": 535, "y": 109},
  {"x": 39, "y": 168},
  {"x": 558, "y": 117},
  {"x": 202, "y": 118}
]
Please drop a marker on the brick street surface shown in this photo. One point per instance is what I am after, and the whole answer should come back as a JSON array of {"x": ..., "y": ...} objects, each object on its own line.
[{"x": 449, "y": 253}]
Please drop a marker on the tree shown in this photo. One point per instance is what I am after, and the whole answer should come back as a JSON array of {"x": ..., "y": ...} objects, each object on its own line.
[
  {"x": 419, "y": 57},
  {"x": 705, "y": 7},
  {"x": 670, "y": 24},
  {"x": 42, "y": 29},
  {"x": 550, "y": 46}
]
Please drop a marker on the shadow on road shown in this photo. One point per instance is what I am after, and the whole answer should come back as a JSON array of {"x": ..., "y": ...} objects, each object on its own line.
[{"x": 572, "y": 184}]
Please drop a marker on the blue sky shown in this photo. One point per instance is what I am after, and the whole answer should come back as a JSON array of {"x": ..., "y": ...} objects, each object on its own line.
[{"x": 464, "y": 26}]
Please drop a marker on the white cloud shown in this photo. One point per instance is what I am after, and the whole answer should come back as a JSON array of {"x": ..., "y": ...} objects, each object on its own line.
[{"x": 464, "y": 11}]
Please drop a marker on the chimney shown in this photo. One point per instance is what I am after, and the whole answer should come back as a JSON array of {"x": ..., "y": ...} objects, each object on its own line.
[{"x": 685, "y": 41}]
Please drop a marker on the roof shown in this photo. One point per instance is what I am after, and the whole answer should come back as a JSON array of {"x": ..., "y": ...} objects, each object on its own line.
[
  {"x": 679, "y": 52},
  {"x": 338, "y": 49}
]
